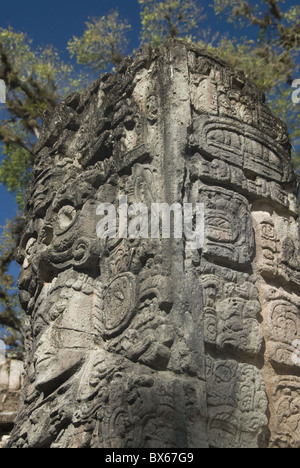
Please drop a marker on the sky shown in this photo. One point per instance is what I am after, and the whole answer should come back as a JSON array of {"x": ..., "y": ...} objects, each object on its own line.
[{"x": 55, "y": 22}]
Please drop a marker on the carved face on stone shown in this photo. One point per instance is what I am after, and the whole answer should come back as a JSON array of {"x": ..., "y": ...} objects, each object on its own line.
[
  {"x": 59, "y": 246},
  {"x": 63, "y": 331},
  {"x": 28, "y": 279},
  {"x": 69, "y": 238},
  {"x": 65, "y": 238}
]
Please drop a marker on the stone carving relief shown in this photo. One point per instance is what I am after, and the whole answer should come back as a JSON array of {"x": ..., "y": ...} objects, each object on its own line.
[
  {"x": 237, "y": 404},
  {"x": 240, "y": 146},
  {"x": 284, "y": 332},
  {"x": 286, "y": 393},
  {"x": 277, "y": 251},
  {"x": 228, "y": 226},
  {"x": 231, "y": 315},
  {"x": 136, "y": 342}
]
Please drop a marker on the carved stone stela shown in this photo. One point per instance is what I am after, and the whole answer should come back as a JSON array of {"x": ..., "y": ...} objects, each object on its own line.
[{"x": 144, "y": 343}]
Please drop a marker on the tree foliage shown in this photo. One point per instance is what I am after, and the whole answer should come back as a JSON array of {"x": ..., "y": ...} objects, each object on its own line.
[
  {"x": 277, "y": 37},
  {"x": 36, "y": 79},
  {"x": 104, "y": 42},
  {"x": 11, "y": 315},
  {"x": 170, "y": 19}
]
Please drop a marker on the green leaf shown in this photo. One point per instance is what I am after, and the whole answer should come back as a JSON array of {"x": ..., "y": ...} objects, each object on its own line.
[{"x": 103, "y": 43}]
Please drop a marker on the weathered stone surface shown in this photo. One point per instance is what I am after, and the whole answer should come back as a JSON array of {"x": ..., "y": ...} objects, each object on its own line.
[
  {"x": 145, "y": 342},
  {"x": 11, "y": 376}
]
